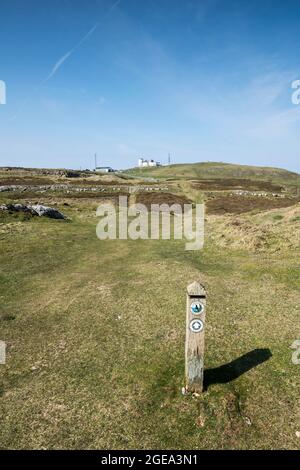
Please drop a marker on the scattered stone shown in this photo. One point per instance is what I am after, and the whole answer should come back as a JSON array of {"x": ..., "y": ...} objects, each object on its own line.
[
  {"x": 47, "y": 212},
  {"x": 17, "y": 208},
  {"x": 248, "y": 420},
  {"x": 38, "y": 209}
]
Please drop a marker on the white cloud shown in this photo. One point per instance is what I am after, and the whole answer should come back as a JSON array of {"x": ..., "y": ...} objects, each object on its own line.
[{"x": 63, "y": 59}]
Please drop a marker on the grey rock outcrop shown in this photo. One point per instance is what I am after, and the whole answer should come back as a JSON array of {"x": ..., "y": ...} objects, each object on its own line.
[{"x": 38, "y": 209}]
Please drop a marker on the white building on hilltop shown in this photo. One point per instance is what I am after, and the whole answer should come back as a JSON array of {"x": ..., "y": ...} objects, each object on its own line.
[{"x": 145, "y": 163}]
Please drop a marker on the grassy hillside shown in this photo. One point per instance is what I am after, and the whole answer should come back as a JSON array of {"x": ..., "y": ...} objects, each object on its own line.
[
  {"x": 95, "y": 334},
  {"x": 207, "y": 170}
]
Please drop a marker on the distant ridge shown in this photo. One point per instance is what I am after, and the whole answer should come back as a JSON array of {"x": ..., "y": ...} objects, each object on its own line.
[{"x": 207, "y": 170}]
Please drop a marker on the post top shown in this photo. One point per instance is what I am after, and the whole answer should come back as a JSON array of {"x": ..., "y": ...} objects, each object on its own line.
[{"x": 196, "y": 289}]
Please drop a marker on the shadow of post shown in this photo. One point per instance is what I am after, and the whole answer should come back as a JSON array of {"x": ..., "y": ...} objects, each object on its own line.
[{"x": 234, "y": 369}]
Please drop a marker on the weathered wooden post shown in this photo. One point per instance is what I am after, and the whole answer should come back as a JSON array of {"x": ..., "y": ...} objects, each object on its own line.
[{"x": 194, "y": 343}]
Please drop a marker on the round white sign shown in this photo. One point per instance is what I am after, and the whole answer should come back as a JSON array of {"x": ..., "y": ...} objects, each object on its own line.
[{"x": 196, "y": 326}]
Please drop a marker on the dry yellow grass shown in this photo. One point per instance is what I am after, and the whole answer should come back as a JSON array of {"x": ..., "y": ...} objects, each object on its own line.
[{"x": 275, "y": 230}]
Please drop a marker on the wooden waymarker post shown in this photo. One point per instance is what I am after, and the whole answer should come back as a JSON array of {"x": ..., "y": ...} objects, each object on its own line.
[{"x": 194, "y": 342}]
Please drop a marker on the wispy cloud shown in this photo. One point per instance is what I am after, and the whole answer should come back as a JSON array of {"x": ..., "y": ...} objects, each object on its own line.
[
  {"x": 63, "y": 59},
  {"x": 66, "y": 56},
  {"x": 58, "y": 64}
]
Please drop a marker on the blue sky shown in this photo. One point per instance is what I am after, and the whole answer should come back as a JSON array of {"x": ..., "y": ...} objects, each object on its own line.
[{"x": 201, "y": 79}]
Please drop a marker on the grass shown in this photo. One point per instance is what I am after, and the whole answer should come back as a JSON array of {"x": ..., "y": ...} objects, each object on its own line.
[
  {"x": 95, "y": 339},
  {"x": 208, "y": 170}
]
